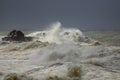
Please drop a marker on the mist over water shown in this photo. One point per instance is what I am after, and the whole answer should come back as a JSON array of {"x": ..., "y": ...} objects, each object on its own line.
[{"x": 59, "y": 53}]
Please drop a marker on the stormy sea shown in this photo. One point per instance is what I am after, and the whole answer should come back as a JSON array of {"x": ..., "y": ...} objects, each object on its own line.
[{"x": 59, "y": 53}]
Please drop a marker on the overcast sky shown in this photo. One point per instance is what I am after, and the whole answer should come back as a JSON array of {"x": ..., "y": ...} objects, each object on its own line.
[{"x": 83, "y": 14}]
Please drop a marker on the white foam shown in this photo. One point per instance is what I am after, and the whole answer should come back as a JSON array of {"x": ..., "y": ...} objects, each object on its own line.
[
  {"x": 54, "y": 34},
  {"x": 62, "y": 53},
  {"x": 58, "y": 34}
]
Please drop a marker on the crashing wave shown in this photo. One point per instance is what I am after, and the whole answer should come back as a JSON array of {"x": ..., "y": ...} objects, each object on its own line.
[
  {"x": 57, "y": 34},
  {"x": 55, "y": 55}
]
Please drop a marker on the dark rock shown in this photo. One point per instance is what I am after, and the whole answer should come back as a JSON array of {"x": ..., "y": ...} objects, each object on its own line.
[
  {"x": 66, "y": 33},
  {"x": 16, "y": 36}
]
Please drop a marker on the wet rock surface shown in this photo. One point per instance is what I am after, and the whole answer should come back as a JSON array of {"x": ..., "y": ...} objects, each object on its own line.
[{"x": 16, "y": 35}]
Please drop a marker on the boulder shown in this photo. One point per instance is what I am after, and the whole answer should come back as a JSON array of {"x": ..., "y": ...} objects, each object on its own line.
[{"x": 16, "y": 35}]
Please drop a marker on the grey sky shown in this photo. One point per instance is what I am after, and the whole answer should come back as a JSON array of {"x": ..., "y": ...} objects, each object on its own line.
[{"x": 84, "y": 14}]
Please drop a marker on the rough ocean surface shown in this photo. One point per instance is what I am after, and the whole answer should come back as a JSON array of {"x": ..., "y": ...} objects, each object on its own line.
[{"x": 61, "y": 54}]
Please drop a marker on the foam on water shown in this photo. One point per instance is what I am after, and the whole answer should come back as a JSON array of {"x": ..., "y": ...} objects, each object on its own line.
[
  {"x": 58, "y": 34},
  {"x": 58, "y": 54}
]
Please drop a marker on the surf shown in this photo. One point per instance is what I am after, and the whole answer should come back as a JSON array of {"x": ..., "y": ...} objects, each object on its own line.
[{"x": 59, "y": 53}]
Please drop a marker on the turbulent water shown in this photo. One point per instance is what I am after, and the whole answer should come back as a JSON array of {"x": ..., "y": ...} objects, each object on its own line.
[{"x": 60, "y": 53}]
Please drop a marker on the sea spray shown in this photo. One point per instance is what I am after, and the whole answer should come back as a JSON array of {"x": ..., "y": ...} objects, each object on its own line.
[
  {"x": 56, "y": 52},
  {"x": 62, "y": 58},
  {"x": 54, "y": 35},
  {"x": 58, "y": 34}
]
